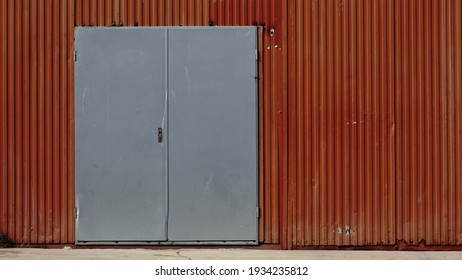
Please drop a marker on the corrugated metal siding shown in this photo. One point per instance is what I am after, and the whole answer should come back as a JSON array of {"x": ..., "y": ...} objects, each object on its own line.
[
  {"x": 360, "y": 114},
  {"x": 37, "y": 160},
  {"x": 36, "y": 175},
  {"x": 375, "y": 122}
]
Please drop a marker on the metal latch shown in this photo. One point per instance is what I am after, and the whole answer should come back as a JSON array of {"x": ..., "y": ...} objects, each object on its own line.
[{"x": 159, "y": 135}]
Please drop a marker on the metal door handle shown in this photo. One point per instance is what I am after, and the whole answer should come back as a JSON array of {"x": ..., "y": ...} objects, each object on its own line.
[{"x": 159, "y": 135}]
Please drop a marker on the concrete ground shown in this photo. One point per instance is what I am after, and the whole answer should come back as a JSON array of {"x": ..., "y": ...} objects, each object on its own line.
[{"x": 219, "y": 254}]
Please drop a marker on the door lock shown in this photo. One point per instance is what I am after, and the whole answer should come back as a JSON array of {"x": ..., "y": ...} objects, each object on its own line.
[{"x": 159, "y": 135}]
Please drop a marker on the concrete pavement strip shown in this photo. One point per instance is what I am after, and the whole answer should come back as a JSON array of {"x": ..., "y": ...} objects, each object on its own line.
[{"x": 219, "y": 254}]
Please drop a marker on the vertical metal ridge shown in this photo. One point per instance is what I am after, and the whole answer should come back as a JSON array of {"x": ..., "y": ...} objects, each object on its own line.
[
  {"x": 458, "y": 116},
  {"x": 444, "y": 125},
  {"x": 33, "y": 130},
  {"x": 450, "y": 112},
  {"x": 366, "y": 121},
  {"x": 63, "y": 122},
  {"x": 338, "y": 128},
  {"x": 56, "y": 189},
  {"x": 150, "y": 13},
  {"x": 412, "y": 99},
  {"x": 307, "y": 77},
  {"x": 387, "y": 122},
  {"x": 428, "y": 158},
  {"x": 130, "y": 12},
  {"x": 11, "y": 52},
  {"x": 70, "y": 131},
  {"x": 382, "y": 119},
  {"x": 292, "y": 140},
  {"x": 86, "y": 12},
  {"x": 323, "y": 48},
  {"x": 108, "y": 14},
  {"x": 78, "y": 12},
  {"x": 259, "y": 133},
  {"x": 227, "y": 13},
  {"x": 391, "y": 29},
  {"x": 398, "y": 113},
  {"x": 434, "y": 80},
  {"x": 100, "y": 12},
  {"x": 361, "y": 231},
  {"x": 330, "y": 132},
  {"x": 405, "y": 122},
  {"x": 420, "y": 103},
  {"x": 139, "y": 19},
  {"x": 345, "y": 123},
  {"x": 235, "y": 12},
  {"x": 271, "y": 168},
  {"x": 278, "y": 14},
  {"x": 93, "y": 13},
  {"x": 3, "y": 118},
  {"x": 262, "y": 127},
  {"x": 24, "y": 234},
  {"x": 277, "y": 189},
  {"x": 190, "y": 15},
  {"x": 299, "y": 210},
  {"x": 18, "y": 147},
  {"x": 353, "y": 124},
  {"x": 315, "y": 182},
  {"x": 48, "y": 110}
]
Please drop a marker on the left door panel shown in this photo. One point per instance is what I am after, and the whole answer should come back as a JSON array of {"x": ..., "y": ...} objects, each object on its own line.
[{"x": 120, "y": 105}]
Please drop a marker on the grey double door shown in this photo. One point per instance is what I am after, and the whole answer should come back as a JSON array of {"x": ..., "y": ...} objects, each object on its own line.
[{"x": 165, "y": 135}]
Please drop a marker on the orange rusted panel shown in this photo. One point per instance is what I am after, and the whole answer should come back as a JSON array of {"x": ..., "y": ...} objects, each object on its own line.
[
  {"x": 374, "y": 122},
  {"x": 36, "y": 76}
]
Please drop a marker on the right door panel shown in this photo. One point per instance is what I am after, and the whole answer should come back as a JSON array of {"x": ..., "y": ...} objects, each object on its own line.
[{"x": 212, "y": 153}]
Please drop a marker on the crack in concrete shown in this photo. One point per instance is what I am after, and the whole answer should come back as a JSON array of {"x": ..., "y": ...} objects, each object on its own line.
[
  {"x": 165, "y": 256},
  {"x": 180, "y": 255}
]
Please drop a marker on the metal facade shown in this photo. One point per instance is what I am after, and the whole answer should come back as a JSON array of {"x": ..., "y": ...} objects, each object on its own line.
[
  {"x": 36, "y": 121},
  {"x": 360, "y": 105},
  {"x": 374, "y": 122}
]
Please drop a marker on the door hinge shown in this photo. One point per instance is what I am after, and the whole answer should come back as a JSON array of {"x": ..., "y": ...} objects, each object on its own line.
[
  {"x": 256, "y": 55},
  {"x": 258, "y": 212},
  {"x": 76, "y": 213},
  {"x": 75, "y": 55}
]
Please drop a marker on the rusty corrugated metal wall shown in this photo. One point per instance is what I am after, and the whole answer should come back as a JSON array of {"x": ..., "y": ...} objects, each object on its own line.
[
  {"x": 36, "y": 131},
  {"x": 375, "y": 118},
  {"x": 36, "y": 120},
  {"x": 360, "y": 114}
]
